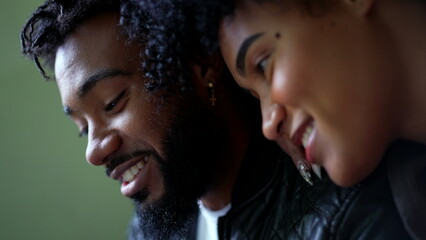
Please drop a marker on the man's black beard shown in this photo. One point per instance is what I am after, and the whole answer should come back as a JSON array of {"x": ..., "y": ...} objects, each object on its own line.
[{"x": 193, "y": 145}]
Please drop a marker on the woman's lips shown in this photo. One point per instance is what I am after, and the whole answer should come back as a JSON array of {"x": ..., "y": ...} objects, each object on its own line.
[
  {"x": 304, "y": 136},
  {"x": 296, "y": 154},
  {"x": 304, "y": 129},
  {"x": 309, "y": 146}
]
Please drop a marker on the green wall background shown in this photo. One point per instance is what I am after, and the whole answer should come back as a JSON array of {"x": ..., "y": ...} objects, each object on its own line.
[{"x": 48, "y": 191}]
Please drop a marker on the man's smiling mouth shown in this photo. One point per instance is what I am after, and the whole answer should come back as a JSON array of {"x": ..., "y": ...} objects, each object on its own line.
[
  {"x": 125, "y": 168},
  {"x": 129, "y": 174}
]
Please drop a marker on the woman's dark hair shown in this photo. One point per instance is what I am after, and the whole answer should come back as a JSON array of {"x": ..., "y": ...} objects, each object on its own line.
[{"x": 52, "y": 22}]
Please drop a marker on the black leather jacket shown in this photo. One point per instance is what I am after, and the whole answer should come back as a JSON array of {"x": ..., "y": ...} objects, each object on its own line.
[{"x": 271, "y": 201}]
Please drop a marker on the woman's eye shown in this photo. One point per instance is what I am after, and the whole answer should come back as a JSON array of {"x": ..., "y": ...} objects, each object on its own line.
[
  {"x": 110, "y": 106},
  {"x": 262, "y": 65}
]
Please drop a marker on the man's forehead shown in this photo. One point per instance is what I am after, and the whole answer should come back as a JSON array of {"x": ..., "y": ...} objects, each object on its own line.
[
  {"x": 96, "y": 44},
  {"x": 65, "y": 57},
  {"x": 105, "y": 23},
  {"x": 98, "y": 35},
  {"x": 67, "y": 73}
]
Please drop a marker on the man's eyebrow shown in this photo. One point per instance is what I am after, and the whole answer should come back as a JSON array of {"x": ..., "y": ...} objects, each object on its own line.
[
  {"x": 97, "y": 77},
  {"x": 242, "y": 52},
  {"x": 90, "y": 82}
]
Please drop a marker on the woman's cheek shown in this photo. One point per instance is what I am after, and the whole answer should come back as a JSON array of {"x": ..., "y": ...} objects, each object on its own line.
[{"x": 287, "y": 84}]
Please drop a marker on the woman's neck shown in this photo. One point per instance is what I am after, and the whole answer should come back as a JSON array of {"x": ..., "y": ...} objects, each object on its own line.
[{"x": 407, "y": 22}]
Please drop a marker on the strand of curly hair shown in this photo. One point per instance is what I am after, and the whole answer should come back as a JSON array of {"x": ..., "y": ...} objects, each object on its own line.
[{"x": 51, "y": 23}]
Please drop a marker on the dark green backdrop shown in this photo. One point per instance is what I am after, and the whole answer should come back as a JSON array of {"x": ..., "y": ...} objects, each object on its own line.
[{"x": 48, "y": 191}]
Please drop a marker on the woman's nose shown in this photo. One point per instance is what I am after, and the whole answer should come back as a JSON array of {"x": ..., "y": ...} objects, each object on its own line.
[
  {"x": 100, "y": 146},
  {"x": 273, "y": 117}
]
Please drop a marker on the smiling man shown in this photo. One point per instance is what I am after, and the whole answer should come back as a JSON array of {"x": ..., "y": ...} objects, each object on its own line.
[
  {"x": 158, "y": 151},
  {"x": 175, "y": 146}
]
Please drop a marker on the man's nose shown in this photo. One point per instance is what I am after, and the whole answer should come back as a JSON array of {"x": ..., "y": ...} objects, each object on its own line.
[
  {"x": 273, "y": 118},
  {"x": 100, "y": 145}
]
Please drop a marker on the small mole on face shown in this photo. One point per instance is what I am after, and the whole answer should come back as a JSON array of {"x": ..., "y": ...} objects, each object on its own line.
[{"x": 277, "y": 35}]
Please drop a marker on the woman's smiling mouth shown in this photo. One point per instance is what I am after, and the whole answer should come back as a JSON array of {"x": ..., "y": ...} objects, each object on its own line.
[
  {"x": 304, "y": 137},
  {"x": 303, "y": 133}
]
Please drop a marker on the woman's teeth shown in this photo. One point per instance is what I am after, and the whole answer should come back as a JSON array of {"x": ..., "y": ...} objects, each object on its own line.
[
  {"x": 306, "y": 135},
  {"x": 129, "y": 174},
  {"x": 305, "y": 141}
]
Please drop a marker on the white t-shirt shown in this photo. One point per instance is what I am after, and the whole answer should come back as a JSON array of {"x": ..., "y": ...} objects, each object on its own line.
[{"x": 207, "y": 222}]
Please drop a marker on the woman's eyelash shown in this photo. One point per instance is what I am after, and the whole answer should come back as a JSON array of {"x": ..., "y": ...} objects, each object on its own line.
[
  {"x": 262, "y": 64},
  {"x": 114, "y": 102}
]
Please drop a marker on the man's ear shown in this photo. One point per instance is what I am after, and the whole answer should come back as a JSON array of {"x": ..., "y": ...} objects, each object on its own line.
[
  {"x": 361, "y": 7},
  {"x": 208, "y": 70},
  {"x": 207, "y": 74}
]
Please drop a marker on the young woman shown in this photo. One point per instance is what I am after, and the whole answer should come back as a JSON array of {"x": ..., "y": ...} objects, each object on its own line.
[{"x": 344, "y": 80}]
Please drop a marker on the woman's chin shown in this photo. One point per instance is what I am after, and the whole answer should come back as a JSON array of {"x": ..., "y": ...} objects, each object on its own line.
[{"x": 346, "y": 176}]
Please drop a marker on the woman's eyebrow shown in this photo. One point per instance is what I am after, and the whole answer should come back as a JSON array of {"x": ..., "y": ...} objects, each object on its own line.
[{"x": 242, "y": 52}]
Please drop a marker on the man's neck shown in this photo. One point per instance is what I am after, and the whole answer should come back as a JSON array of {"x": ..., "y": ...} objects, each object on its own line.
[{"x": 220, "y": 193}]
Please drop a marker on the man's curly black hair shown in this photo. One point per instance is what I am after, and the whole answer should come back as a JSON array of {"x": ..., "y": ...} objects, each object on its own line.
[
  {"x": 175, "y": 36},
  {"x": 168, "y": 52},
  {"x": 52, "y": 22},
  {"x": 188, "y": 26}
]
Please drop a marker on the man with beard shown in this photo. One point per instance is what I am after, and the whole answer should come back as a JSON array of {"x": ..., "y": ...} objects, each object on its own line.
[{"x": 174, "y": 144}]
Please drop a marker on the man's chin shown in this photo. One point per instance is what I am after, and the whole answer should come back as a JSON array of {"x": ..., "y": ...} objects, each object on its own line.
[
  {"x": 140, "y": 197},
  {"x": 163, "y": 219}
]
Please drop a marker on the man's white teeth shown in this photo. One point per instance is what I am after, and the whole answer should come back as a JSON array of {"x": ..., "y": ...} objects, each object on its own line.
[
  {"x": 140, "y": 164},
  {"x": 306, "y": 135},
  {"x": 129, "y": 174}
]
